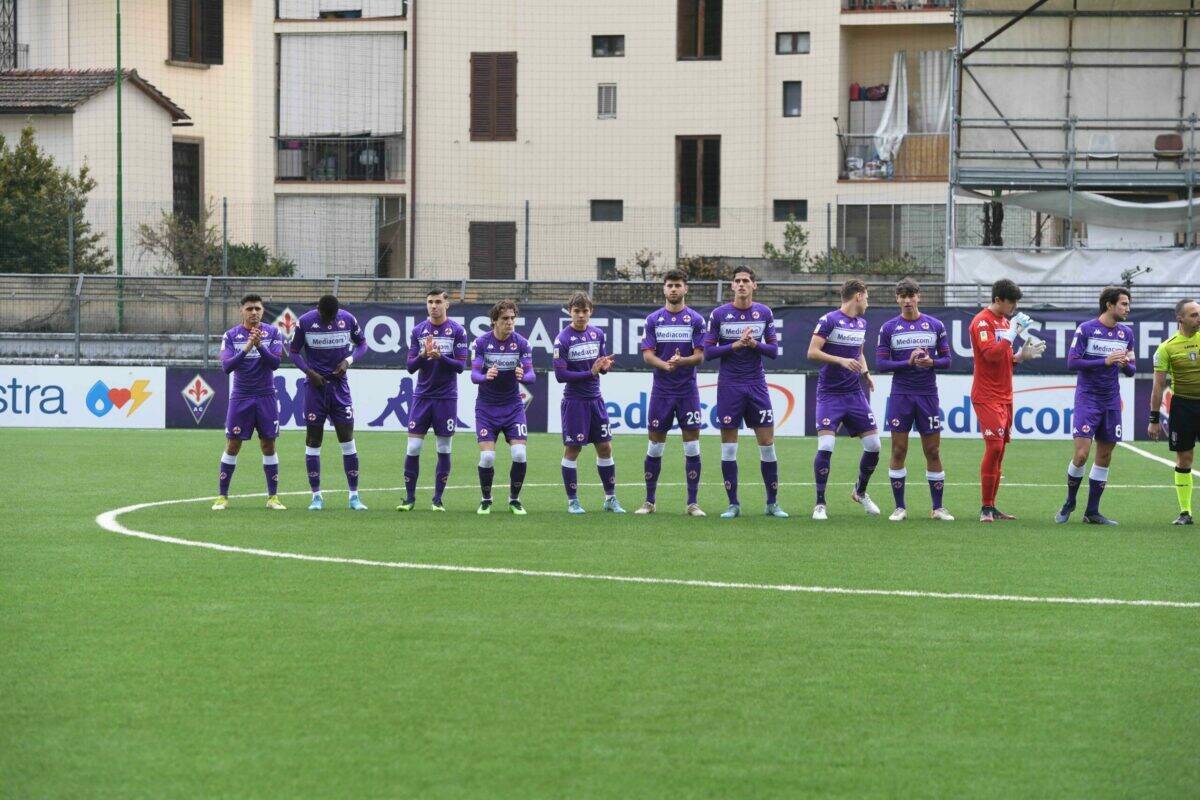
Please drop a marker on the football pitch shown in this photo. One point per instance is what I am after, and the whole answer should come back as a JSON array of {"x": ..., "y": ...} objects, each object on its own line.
[{"x": 720, "y": 665}]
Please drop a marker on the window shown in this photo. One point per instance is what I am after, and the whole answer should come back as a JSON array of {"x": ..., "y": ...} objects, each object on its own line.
[
  {"x": 186, "y": 178},
  {"x": 606, "y": 101},
  {"x": 493, "y": 97},
  {"x": 698, "y": 31},
  {"x": 198, "y": 31},
  {"x": 606, "y": 269},
  {"x": 791, "y": 98},
  {"x": 608, "y": 210},
  {"x": 698, "y": 179},
  {"x": 608, "y": 46},
  {"x": 493, "y": 253},
  {"x": 793, "y": 208},
  {"x": 790, "y": 44},
  {"x": 353, "y": 14}
]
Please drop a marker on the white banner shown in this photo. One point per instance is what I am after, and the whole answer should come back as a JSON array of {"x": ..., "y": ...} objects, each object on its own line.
[
  {"x": 82, "y": 397},
  {"x": 1043, "y": 406},
  {"x": 627, "y": 396}
]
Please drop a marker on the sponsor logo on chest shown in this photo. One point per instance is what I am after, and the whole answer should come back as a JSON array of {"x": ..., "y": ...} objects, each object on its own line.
[
  {"x": 1103, "y": 347},
  {"x": 328, "y": 340},
  {"x": 584, "y": 351},
  {"x": 848, "y": 337},
  {"x": 911, "y": 340},
  {"x": 502, "y": 361},
  {"x": 733, "y": 330},
  {"x": 674, "y": 333}
]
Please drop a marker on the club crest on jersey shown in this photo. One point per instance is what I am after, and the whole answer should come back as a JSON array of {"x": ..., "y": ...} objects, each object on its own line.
[
  {"x": 727, "y": 419},
  {"x": 925, "y": 325},
  {"x": 483, "y": 431},
  {"x": 756, "y": 314},
  {"x": 198, "y": 395},
  {"x": 579, "y": 437},
  {"x": 341, "y": 323},
  {"x": 825, "y": 421},
  {"x": 237, "y": 429},
  {"x": 312, "y": 417},
  {"x": 1086, "y": 429}
]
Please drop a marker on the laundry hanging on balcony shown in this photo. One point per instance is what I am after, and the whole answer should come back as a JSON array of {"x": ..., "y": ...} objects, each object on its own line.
[
  {"x": 1171, "y": 216},
  {"x": 894, "y": 125},
  {"x": 935, "y": 91}
]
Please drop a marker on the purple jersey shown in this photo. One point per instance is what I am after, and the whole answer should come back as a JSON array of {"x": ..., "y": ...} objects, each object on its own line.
[
  {"x": 668, "y": 333},
  {"x": 574, "y": 354},
  {"x": 1098, "y": 384},
  {"x": 725, "y": 326},
  {"x": 899, "y": 338},
  {"x": 323, "y": 347},
  {"x": 505, "y": 355},
  {"x": 253, "y": 370},
  {"x": 437, "y": 378},
  {"x": 844, "y": 336}
]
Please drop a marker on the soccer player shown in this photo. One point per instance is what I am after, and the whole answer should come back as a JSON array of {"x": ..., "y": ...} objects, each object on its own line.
[
  {"x": 1179, "y": 359},
  {"x": 437, "y": 351},
  {"x": 503, "y": 359},
  {"x": 992, "y": 337},
  {"x": 327, "y": 341},
  {"x": 912, "y": 346},
  {"x": 837, "y": 344},
  {"x": 671, "y": 332},
  {"x": 579, "y": 361},
  {"x": 1100, "y": 352},
  {"x": 740, "y": 335},
  {"x": 251, "y": 352}
]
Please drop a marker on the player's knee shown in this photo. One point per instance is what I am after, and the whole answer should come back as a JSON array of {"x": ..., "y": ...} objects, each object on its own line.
[
  {"x": 518, "y": 453},
  {"x": 766, "y": 452},
  {"x": 487, "y": 458},
  {"x": 348, "y": 448},
  {"x": 825, "y": 442},
  {"x": 871, "y": 443},
  {"x": 729, "y": 451},
  {"x": 656, "y": 449},
  {"x": 691, "y": 448},
  {"x": 444, "y": 443},
  {"x": 993, "y": 447},
  {"x": 414, "y": 446}
]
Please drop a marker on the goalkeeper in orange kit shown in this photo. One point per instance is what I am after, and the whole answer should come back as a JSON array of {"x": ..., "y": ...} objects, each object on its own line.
[{"x": 993, "y": 332}]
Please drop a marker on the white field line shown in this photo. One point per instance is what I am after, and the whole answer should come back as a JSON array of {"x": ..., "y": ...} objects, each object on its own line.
[
  {"x": 109, "y": 521},
  {"x": 1152, "y": 457}
]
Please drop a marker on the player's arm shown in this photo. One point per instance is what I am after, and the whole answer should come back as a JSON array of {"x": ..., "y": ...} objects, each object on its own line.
[
  {"x": 1077, "y": 358},
  {"x": 524, "y": 370},
  {"x": 360, "y": 344},
  {"x": 563, "y": 372},
  {"x": 769, "y": 346},
  {"x": 1162, "y": 368},
  {"x": 296, "y": 351},
  {"x": 271, "y": 353},
  {"x": 883, "y": 354},
  {"x": 604, "y": 363},
  {"x": 647, "y": 346},
  {"x": 992, "y": 348},
  {"x": 478, "y": 373},
  {"x": 943, "y": 358},
  {"x": 416, "y": 351},
  {"x": 713, "y": 349},
  {"x": 866, "y": 371},
  {"x": 1129, "y": 368},
  {"x": 816, "y": 353},
  {"x": 231, "y": 356}
]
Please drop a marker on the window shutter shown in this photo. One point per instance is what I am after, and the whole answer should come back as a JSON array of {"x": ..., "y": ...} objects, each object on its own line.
[
  {"x": 479, "y": 256},
  {"x": 493, "y": 250},
  {"x": 686, "y": 24},
  {"x": 181, "y": 30},
  {"x": 504, "y": 257},
  {"x": 212, "y": 31},
  {"x": 483, "y": 70},
  {"x": 506, "y": 97}
]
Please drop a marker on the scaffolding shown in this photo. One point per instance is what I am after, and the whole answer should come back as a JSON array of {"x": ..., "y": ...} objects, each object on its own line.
[{"x": 1073, "y": 96}]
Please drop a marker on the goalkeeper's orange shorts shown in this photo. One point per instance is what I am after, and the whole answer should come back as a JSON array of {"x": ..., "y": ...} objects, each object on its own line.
[{"x": 995, "y": 420}]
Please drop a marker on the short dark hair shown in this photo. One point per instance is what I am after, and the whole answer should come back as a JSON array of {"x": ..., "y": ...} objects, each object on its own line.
[
  {"x": 327, "y": 306},
  {"x": 1181, "y": 304},
  {"x": 852, "y": 287},
  {"x": 907, "y": 287},
  {"x": 675, "y": 275},
  {"x": 434, "y": 292},
  {"x": 250, "y": 298},
  {"x": 743, "y": 268},
  {"x": 1112, "y": 294},
  {"x": 501, "y": 307},
  {"x": 1007, "y": 290},
  {"x": 579, "y": 300}
]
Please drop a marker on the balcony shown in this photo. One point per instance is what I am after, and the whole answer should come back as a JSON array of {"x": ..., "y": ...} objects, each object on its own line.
[
  {"x": 358, "y": 159},
  {"x": 897, "y": 5},
  {"x": 922, "y": 157}
]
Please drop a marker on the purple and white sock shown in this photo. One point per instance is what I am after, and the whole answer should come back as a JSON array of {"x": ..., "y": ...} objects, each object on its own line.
[
  {"x": 225, "y": 475},
  {"x": 312, "y": 465},
  {"x": 350, "y": 465},
  {"x": 271, "y": 471}
]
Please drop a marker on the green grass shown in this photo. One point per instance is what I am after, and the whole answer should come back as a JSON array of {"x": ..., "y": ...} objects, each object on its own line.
[{"x": 132, "y": 668}]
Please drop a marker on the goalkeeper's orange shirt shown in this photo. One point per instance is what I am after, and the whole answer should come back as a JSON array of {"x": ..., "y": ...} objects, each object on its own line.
[{"x": 993, "y": 359}]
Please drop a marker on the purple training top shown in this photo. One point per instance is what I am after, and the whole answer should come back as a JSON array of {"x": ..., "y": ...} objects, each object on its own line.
[
  {"x": 899, "y": 338},
  {"x": 1099, "y": 383},
  {"x": 437, "y": 378},
  {"x": 321, "y": 347},
  {"x": 844, "y": 336},
  {"x": 670, "y": 332},
  {"x": 725, "y": 326},
  {"x": 574, "y": 354},
  {"x": 505, "y": 355},
  {"x": 253, "y": 370}
]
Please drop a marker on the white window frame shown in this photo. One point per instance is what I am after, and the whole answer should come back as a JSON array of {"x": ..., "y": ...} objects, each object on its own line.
[{"x": 606, "y": 106}]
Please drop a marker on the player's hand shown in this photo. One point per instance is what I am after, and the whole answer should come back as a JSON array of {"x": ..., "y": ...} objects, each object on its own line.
[
  {"x": 254, "y": 340},
  {"x": 925, "y": 360},
  {"x": 870, "y": 382},
  {"x": 519, "y": 372},
  {"x": 852, "y": 364},
  {"x": 1114, "y": 358},
  {"x": 431, "y": 349},
  {"x": 1021, "y": 323},
  {"x": 670, "y": 365},
  {"x": 912, "y": 357},
  {"x": 340, "y": 369},
  {"x": 1154, "y": 431},
  {"x": 493, "y": 371},
  {"x": 315, "y": 379},
  {"x": 601, "y": 364}
]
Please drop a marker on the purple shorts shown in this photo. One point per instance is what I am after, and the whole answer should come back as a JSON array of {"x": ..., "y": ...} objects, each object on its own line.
[
  {"x": 491, "y": 421},
  {"x": 1101, "y": 424},
  {"x": 330, "y": 401},
  {"x": 749, "y": 403},
  {"x": 432, "y": 412},
  {"x": 248, "y": 414},
  {"x": 584, "y": 421},
  {"x": 904, "y": 411},
  {"x": 665, "y": 410},
  {"x": 849, "y": 410}
]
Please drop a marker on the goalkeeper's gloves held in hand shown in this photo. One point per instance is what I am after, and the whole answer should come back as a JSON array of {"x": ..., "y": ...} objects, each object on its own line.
[{"x": 1032, "y": 349}]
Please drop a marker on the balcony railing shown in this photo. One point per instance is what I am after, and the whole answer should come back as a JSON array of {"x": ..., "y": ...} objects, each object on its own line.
[
  {"x": 340, "y": 158},
  {"x": 922, "y": 157},
  {"x": 897, "y": 5}
]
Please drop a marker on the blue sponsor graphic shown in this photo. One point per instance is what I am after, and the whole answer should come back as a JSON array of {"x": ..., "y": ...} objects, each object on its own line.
[
  {"x": 400, "y": 406},
  {"x": 18, "y": 398},
  {"x": 1027, "y": 419}
]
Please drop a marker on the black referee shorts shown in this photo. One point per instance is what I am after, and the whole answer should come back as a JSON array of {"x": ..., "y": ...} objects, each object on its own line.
[{"x": 1183, "y": 425}]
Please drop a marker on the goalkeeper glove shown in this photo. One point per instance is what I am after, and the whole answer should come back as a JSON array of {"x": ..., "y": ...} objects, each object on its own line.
[
  {"x": 1017, "y": 327},
  {"x": 1032, "y": 349}
]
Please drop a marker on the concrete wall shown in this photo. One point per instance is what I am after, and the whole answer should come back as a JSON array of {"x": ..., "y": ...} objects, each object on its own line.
[{"x": 53, "y": 134}]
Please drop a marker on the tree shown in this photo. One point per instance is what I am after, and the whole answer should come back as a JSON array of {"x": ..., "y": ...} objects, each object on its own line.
[
  {"x": 193, "y": 247},
  {"x": 38, "y": 202},
  {"x": 642, "y": 266},
  {"x": 795, "y": 247}
]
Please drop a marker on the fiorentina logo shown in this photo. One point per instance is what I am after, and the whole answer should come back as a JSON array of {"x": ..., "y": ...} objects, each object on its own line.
[
  {"x": 1120, "y": 334},
  {"x": 198, "y": 395},
  {"x": 1086, "y": 428},
  {"x": 483, "y": 431},
  {"x": 692, "y": 474},
  {"x": 312, "y": 417},
  {"x": 823, "y": 471},
  {"x": 687, "y": 318},
  {"x": 728, "y": 485},
  {"x": 341, "y": 323},
  {"x": 512, "y": 346},
  {"x": 649, "y": 475},
  {"x": 237, "y": 429},
  {"x": 897, "y": 484},
  {"x": 579, "y": 437},
  {"x": 653, "y": 423},
  {"x": 224, "y": 475},
  {"x": 825, "y": 421},
  {"x": 727, "y": 419},
  {"x": 895, "y": 422},
  {"x": 756, "y": 314},
  {"x": 925, "y": 325},
  {"x": 412, "y": 423},
  {"x": 287, "y": 322}
]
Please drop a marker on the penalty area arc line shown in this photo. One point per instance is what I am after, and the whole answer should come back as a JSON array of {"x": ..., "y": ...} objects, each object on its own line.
[{"x": 110, "y": 521}]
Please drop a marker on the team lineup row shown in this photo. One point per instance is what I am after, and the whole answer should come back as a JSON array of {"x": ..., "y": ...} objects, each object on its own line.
[{"x": 739, "y": 335}]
